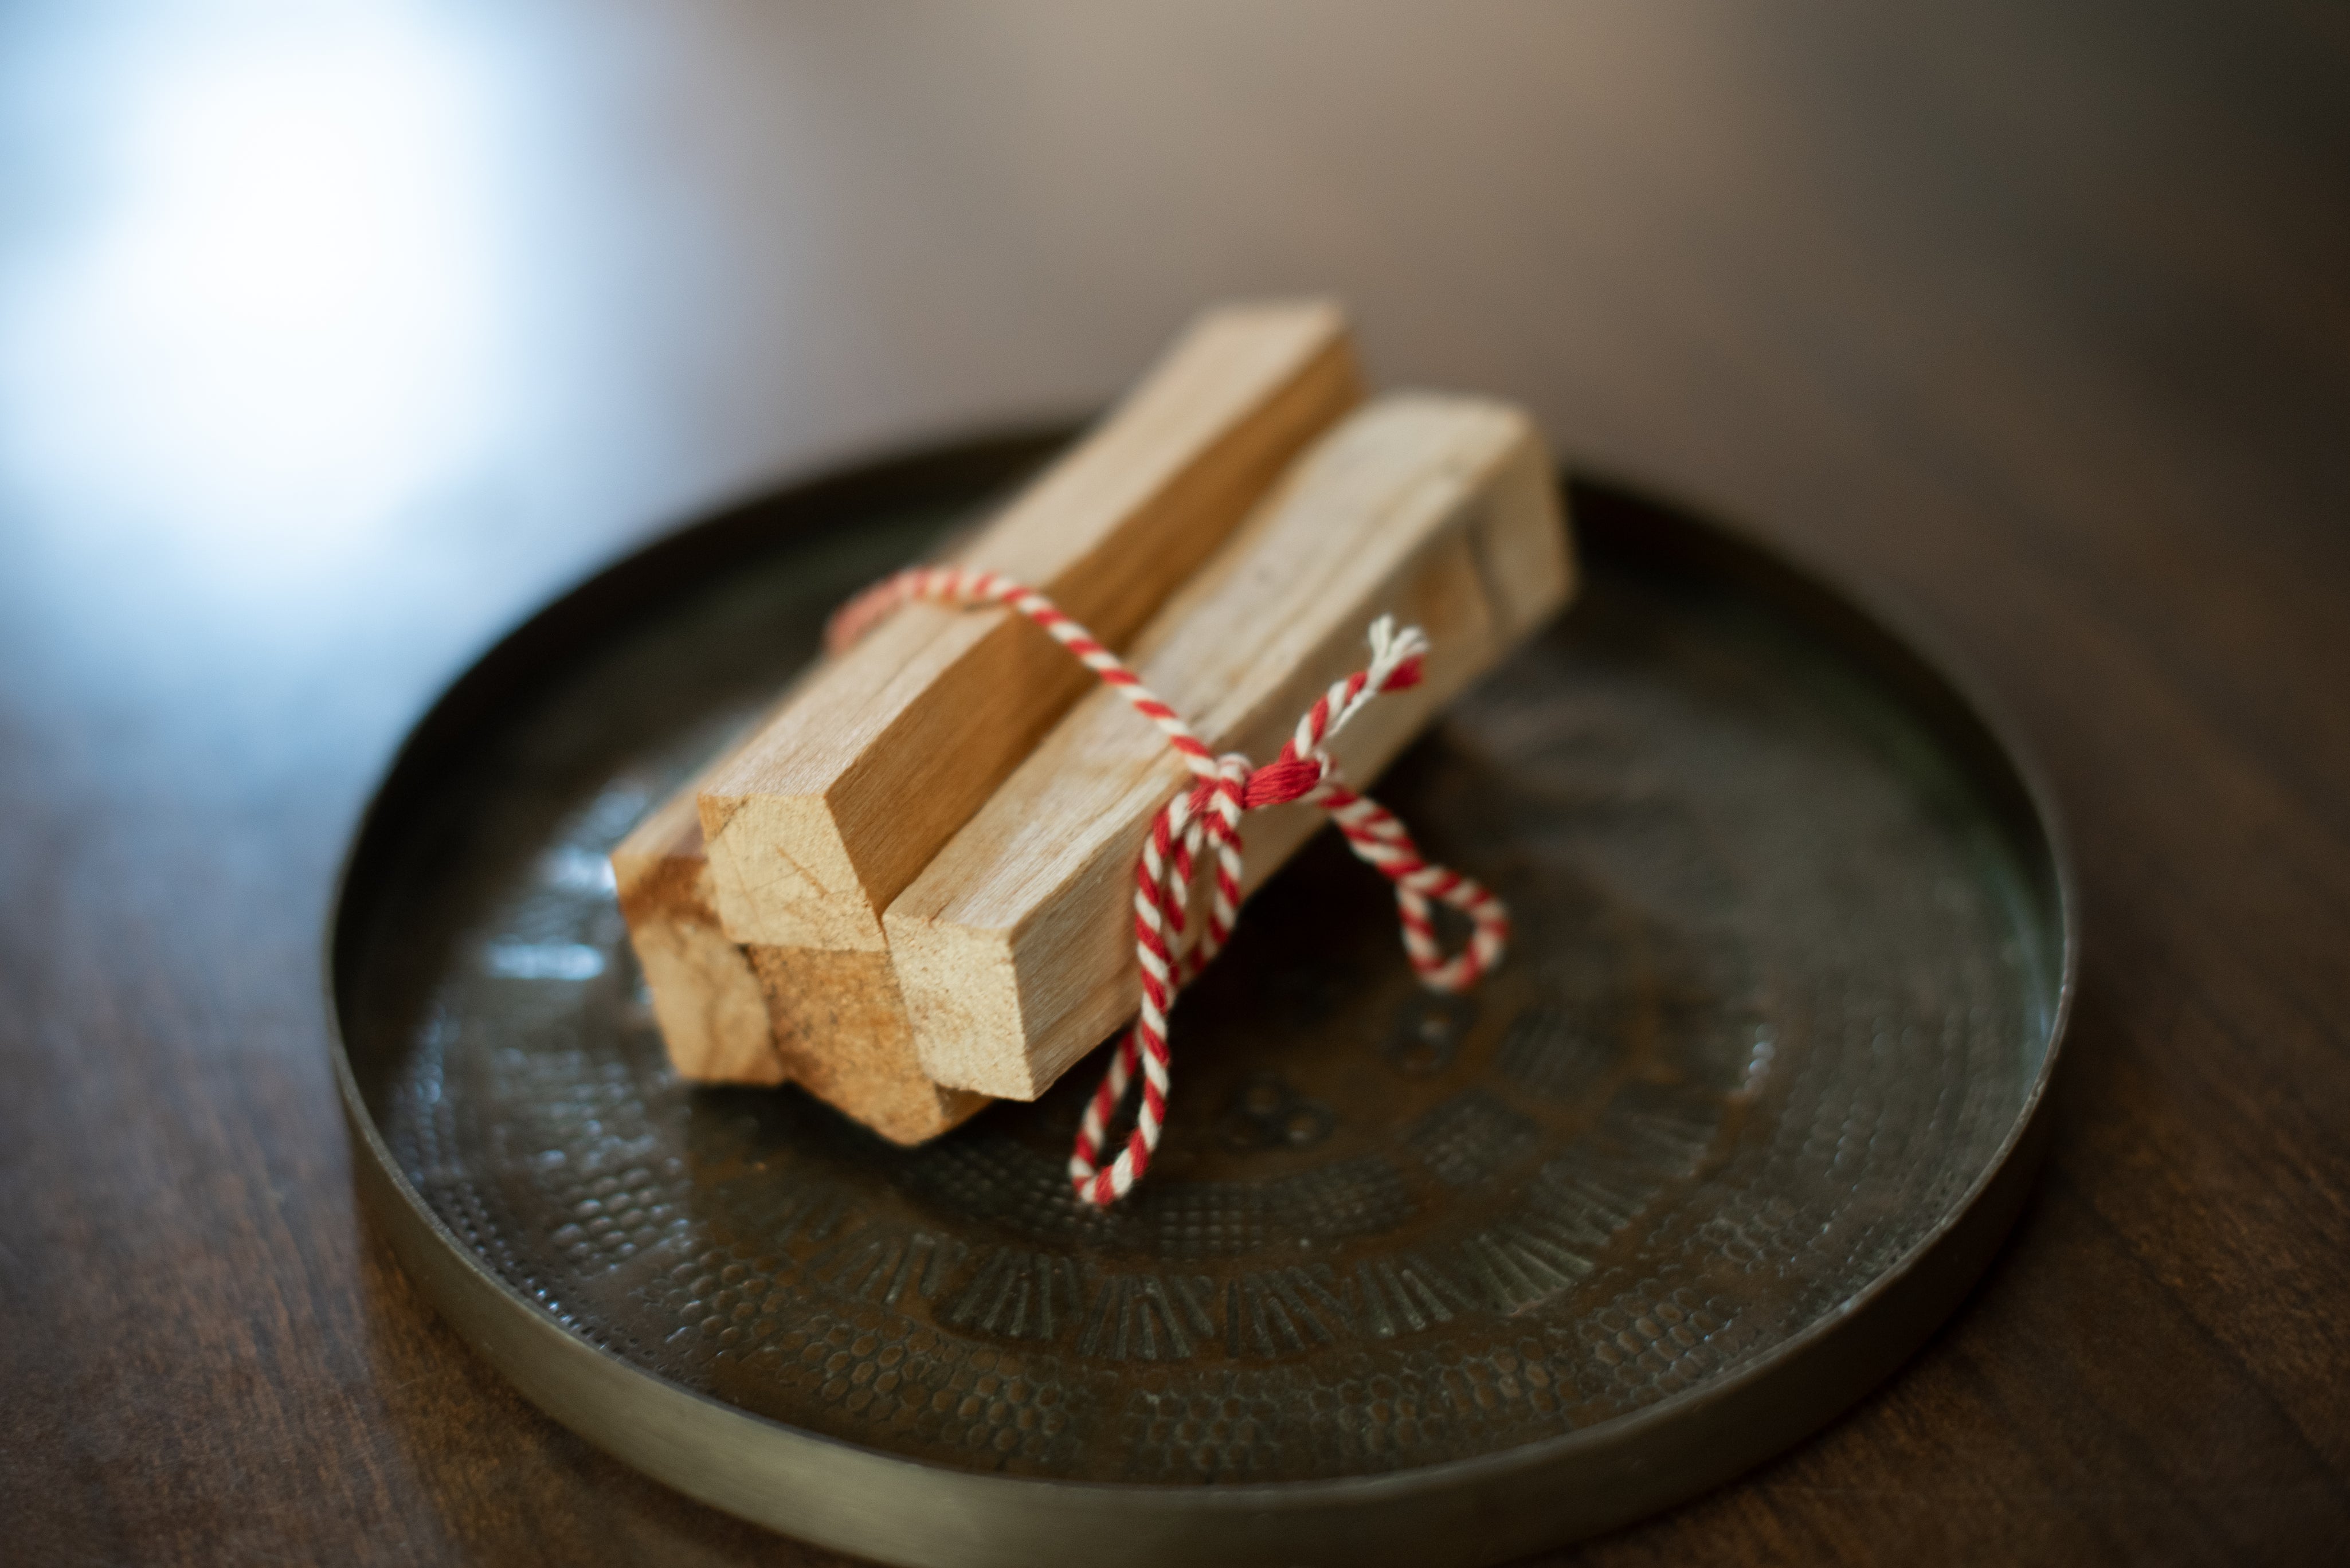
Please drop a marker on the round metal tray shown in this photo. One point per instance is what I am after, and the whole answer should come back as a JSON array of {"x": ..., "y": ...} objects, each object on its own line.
[{"x": 1414, "y": 1279}]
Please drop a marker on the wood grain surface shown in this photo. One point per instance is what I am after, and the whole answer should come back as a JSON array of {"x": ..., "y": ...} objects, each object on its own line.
[{"x": 330, "y": 344}]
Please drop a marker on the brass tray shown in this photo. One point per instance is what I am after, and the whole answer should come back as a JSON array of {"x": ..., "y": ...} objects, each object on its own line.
[{"x": 1414, "y": 1279}]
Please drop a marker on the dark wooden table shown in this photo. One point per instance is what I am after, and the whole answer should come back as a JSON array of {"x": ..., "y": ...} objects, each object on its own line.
[{"x": 328, "y": 349}]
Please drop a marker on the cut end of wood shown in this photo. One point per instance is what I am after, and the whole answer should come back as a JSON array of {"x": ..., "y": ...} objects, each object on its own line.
[
  {"x": 1523, "y": 540},
  {"x": 706, "y": 999},
  {"x": 781, "y": 874},
  {"x": 962, "y": 984},
  {"x": 840, "y": 1029}
]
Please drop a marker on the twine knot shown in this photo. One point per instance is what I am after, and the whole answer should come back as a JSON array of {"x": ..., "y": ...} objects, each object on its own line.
[
  {"x": 1280, "y": 782},
  {"x": 1207, "y": 817}
]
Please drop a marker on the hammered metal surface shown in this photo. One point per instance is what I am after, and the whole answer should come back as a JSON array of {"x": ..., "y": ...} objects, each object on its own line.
[{"x": 1777, "y": 995}]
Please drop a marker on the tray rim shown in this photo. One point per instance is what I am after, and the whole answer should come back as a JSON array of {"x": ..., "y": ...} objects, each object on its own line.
[{"x": 838, "y": 1493}]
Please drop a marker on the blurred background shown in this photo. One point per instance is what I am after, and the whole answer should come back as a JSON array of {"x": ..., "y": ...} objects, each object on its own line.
[
  {"x": 335, "y": 337},
  {"x": 296, "y": 295}
]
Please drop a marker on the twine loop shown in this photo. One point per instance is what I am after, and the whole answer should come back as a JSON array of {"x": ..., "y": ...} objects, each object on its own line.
[{"x": 1205, "y": 819}]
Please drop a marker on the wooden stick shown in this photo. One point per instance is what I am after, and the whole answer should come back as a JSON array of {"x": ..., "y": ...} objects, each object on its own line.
[
  {"x": 707, "y": 997},
  {"x": 1014, "y": 948},
  {"x": 813, "y": 827}
]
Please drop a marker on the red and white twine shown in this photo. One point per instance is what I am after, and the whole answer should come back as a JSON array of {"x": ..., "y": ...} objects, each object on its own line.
[{"x": 1208, "y": 817}]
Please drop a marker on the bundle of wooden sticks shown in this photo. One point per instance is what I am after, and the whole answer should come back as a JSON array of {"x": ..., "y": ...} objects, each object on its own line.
[{"x": 909, "y": 889}]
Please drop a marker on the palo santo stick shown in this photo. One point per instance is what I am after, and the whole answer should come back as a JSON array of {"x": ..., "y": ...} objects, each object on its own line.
[
  {"x": 732, "y": 1014},
  {"x": 707, "y": 997},
  {"x": 1014, "y": 948},
  {"x": 817, "y": 823}
]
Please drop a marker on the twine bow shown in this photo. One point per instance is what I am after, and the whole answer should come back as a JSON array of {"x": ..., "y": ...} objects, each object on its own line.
[{"x": 1206, "y": 816}]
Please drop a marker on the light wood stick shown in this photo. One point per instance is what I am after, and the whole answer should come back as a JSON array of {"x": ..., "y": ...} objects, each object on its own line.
[
  {"x": 1014, "y": 947},
  {"x": 707, "y": 998},
  {"x": 732, "y": 1014},
  {"x": 825, "y": 817}
]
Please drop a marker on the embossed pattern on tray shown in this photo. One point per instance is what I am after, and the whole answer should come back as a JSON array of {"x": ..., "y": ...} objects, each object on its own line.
[{"x": 1774, "y": 1002}]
